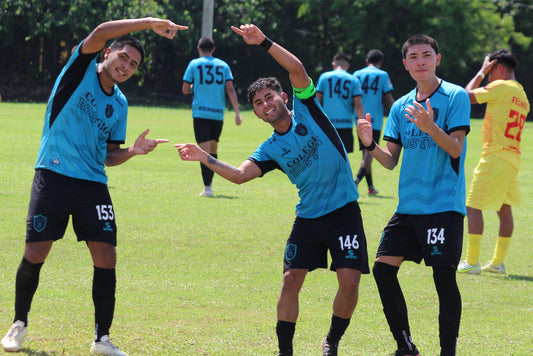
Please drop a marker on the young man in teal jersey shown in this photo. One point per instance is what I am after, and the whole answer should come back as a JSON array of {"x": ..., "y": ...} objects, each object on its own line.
[
  {"x": 376, "y": 92},
  {"x": 209, "y": 78},
  {"x": 306, "y": 147},
  {"x": 430, "y": 124},
  {"x": 85, "y": 124},
  {"x": 339, "y": 92}
]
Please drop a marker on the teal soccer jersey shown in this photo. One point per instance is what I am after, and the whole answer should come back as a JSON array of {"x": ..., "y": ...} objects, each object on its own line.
[
  {"x": 208, "y": 76},
  {"x": 338, "y": 89},
  {"x": 430, "y": 180},
  {"x": 374, "y": 84},
  {"x": 313, "y": 157},
  {"x": 80, "y": 121}
]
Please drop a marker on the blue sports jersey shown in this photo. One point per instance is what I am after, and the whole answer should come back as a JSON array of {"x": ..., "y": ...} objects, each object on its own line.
[
  {"x": 208, "y": 76},
  {"x": 430, "y": 180},
  {"x": 313, "y": 157},
  {"x": 374, "y": 84},
  {"x": 339, "y": 88},
  {"x": 80, "y": 120}
]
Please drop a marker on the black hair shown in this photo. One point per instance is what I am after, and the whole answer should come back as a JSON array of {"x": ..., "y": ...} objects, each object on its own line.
[
  {"x": 420, "y": 39},
  {"x": 374, "y": 56},
  {"x": 260, "y": 84},
  {"x": 124, "y": 41},
  {"x": 206, "y": 44},
  {"x": 505, "y": 57}
]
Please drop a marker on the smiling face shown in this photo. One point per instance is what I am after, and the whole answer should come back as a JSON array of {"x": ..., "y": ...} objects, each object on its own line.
[
  {"x": 270, "y": 106},
  {"x": 421, "y": 62},
  {"x": 120, "y": 64}
]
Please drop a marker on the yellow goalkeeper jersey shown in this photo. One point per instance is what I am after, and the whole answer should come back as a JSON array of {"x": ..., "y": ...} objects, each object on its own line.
[{"x": 505, "y": 116}]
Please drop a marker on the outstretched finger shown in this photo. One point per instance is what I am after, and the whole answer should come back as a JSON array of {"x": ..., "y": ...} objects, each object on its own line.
[
  {"x": 368, "y": 117},
  {"x": 143, "y": 135},
  {"x": 161, "y": 140},
  {"x": 237, "y": 30}
]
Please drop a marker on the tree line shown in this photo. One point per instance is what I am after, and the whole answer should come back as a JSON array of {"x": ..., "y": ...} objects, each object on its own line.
[{"x": 36, "y": 37}]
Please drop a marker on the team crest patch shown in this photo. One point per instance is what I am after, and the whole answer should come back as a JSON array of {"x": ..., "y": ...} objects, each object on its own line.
[
  {"x": 39, "y": 223},
  {"x": 290, "y": 251},
  {"x": 109, "y": 110},
  {"x": 301, "y": 129}
]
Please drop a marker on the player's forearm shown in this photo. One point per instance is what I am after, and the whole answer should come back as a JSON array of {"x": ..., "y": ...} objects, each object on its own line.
[
  {"x": 452, "y": 144},
  {"x": 118, "y": 156},
  {"x": 113, "y": 29},
  {"x": 384, "y": 157},
  {"x": 297, "y": 72},
  {"x": 223, "y": 169}
]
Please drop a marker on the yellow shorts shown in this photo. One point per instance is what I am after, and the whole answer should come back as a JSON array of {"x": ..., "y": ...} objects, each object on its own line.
[{"x": 495, "y": 183}]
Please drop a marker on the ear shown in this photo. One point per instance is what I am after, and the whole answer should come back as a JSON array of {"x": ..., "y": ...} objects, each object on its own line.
[
  {"x": 438, "y": 59},
  {"x": 405, "y": 64},
  {"x": 285, "y": 97},
  {"x": 107, "y": 53}
]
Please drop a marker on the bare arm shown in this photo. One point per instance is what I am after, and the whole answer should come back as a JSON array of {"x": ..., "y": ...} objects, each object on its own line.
[
  {"x": 478, "y": 78},
  {"x": 451, "y": 143},
  {"x": 252, "y": 35},
  {"x": 244, "y": 173},
  {"x": 232, "y": 95},
  {"x": 388, "y": 156},
  {"x": 113, "y": 29},
  {"x": 388, "y": 100},
  {"x": 117, "y": 155},
  {"x": 358, "y": 105},
  {"x": 186, "y": 88}
]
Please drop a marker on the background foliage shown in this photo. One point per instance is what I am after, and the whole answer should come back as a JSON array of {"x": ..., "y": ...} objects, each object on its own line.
[{"x": 37, "y": 35}]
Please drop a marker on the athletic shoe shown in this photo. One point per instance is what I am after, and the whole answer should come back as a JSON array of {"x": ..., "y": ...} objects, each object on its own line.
[
  {"x": 208, "y": 192},
  {"x": 329, "y": 349},
  {"x": 494, "y": 268},
  {"x": 105, "y": 347},
  {"x": 372, "y": 191},
  {"x": 406, "y": 352},
  {"x": 465, "y": 267},
  {"x": 11, "y": 342}
]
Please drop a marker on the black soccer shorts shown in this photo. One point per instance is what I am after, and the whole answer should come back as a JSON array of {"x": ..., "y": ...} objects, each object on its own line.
[
  {"x": 55, "y": 197},
  {"x": 341, "y": 232}
]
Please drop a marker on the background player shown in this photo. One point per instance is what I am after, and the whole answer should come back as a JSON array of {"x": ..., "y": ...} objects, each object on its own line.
[
  {"x": 306, "y": 147},
  {"x": 209, "y": 78},
  {"x": 430, "y": 123},
  {"x": 495, "y": 183},
  {"x": 85, "y": 123},
  {"x": 340, "y": 93},
  {"x": 377, "y": 91}
]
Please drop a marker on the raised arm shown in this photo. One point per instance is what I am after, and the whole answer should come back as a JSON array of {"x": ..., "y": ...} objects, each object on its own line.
[
  {"x": 478, "y": 78},
  {"x": 247, "y": 171},
  {"x": 252, "y": 35},
  {"x": 113, "y": 29}
]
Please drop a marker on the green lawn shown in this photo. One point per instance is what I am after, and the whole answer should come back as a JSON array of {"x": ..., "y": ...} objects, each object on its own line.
[{"x": 201, "y": 276}]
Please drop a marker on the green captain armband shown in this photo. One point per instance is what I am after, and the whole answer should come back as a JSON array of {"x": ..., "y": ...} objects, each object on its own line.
[{"x": 305, "y": 93}]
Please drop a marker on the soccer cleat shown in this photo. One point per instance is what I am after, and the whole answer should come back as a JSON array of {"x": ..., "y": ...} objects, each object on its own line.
[
  {"x": 105, "y": 347},
  {"x": 329, "y": 349},
  {"x": 494, "y": 268},
  {"x": 207, "y": 192},
  {"x": 406, "y": 352},
  {"x": 11, "y": 342},
  {"x": 372, "y": 191},
  {"x": 465, "y": 267}
]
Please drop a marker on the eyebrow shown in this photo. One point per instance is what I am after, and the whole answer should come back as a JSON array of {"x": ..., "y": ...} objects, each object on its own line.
[{"x": 125, "y": 54}]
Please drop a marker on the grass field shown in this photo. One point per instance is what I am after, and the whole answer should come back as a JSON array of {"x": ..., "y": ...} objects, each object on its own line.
[{"x": 201, "y": 276}]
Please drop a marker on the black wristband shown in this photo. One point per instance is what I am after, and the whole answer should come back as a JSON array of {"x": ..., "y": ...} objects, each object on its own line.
[
  {"x": 267, "y": 43},
  {"x": 371, "y": 147}
]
